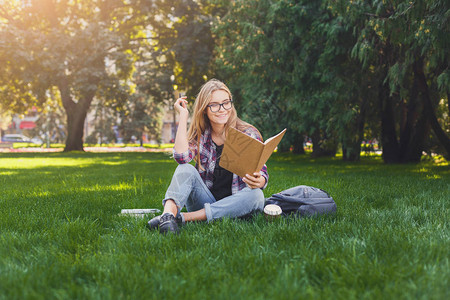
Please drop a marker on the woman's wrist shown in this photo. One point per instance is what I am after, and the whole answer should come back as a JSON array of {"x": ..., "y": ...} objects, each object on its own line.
[
  {"x": 262, "y": 182},
  {"x": 184, "y": 116}
]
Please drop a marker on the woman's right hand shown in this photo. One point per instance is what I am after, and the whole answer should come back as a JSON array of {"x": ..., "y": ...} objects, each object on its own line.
[
  {"x": 181, "y": 106},
  {"x": 181, "y": 141}
]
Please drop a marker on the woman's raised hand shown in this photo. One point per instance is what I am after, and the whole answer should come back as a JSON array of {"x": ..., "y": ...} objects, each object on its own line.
[
  {"x": 181, "y": 141},
  {"x": 254, "y": 181},
  {"x": 181, "y": 106}
]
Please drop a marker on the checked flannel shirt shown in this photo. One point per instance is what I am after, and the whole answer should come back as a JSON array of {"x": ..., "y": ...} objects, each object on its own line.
[{"x": 208, "y": 159}]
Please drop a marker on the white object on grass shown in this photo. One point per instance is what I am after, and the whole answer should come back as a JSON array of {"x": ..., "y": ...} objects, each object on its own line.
[
  {"x": 139, "y": 212},
  {"x": 272, "y": 210}
]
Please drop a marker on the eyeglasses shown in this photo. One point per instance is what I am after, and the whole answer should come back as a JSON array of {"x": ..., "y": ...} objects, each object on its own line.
[{"x": 215, "y": 107}]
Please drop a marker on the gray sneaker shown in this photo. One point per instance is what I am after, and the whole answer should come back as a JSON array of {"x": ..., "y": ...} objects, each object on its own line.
[
  {"x": 168, "y": 223},
  {"x": 153, "y": 224}
]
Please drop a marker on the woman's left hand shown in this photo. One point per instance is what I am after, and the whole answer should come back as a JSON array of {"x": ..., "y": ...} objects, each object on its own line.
[{"x": 254, "y": 181}]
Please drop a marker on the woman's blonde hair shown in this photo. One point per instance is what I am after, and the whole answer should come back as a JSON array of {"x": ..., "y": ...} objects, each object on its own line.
[{"x": 200, "y": 121}]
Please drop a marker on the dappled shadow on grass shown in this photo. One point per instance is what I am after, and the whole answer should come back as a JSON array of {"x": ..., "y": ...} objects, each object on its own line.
[
  {"x": 39, "y": 160},
  {"x": 131, "y": 179},
  {"x": 79, "y": 190},
  {"x": 32, "y": 176}
]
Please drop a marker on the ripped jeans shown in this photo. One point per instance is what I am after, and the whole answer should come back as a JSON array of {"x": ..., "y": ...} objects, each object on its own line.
[{"x": 188, "y": 189}]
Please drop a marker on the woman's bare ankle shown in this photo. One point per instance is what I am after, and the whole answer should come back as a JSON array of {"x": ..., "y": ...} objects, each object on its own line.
[{"x": 170, "y": 207}]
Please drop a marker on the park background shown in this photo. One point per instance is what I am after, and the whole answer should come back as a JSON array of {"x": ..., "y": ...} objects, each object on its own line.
[
  {"x": 347, "y": 77},
  {"x": 336, "y": 74}
]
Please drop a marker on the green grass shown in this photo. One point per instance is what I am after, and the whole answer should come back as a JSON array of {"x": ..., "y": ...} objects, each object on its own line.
[{"x": 61, "y": 236}]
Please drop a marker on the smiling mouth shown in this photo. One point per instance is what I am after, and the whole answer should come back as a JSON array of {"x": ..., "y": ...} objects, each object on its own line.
[{"x": 221, "y": 116}]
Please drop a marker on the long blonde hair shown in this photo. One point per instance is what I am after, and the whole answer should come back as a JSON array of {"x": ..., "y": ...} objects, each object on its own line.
[{"x": 200, "y": 121}]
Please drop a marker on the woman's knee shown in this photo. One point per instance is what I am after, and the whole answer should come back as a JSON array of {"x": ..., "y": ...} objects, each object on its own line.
[
  {"x": 185, "y": 168},
  {"x": 257, "y": 196}
]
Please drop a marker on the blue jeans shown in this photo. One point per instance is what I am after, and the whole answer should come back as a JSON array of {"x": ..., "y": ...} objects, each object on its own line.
[{"x": 188, "y": 189}]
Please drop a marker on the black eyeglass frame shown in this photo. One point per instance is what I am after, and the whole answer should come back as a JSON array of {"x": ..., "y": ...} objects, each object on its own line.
[{"x": 221, "y": 104}]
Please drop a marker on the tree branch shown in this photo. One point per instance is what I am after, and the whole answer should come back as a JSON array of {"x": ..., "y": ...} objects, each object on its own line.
[
  {"x": 64, "y": 89},
  {"x": 389, "y": 13}
]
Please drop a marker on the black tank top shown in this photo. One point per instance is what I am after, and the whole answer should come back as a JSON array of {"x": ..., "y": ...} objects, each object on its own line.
[{"x": 222, "y": 178}]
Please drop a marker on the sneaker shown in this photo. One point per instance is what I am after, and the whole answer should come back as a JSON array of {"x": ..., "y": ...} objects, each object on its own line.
[
  {"x": 168, "y": 223},
  {"x": 153, "y": 224}
]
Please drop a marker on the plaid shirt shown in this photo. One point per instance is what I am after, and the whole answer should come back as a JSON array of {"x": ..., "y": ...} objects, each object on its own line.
[{"x": 208, "y": 159}]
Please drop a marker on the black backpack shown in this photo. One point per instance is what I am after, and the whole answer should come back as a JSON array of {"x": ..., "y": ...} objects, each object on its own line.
[{"x": 303, "y": 201}]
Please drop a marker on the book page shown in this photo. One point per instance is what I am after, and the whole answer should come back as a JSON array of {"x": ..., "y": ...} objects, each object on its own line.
[
  {"x": 275, "y": 137},
  {"x": 269, "y": 146}
]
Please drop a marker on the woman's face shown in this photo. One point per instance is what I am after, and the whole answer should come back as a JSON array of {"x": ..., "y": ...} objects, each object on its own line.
[{"x": 220, "y": 117}]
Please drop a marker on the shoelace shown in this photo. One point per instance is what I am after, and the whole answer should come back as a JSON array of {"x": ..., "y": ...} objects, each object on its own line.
[{"x": 166, "y": 217}]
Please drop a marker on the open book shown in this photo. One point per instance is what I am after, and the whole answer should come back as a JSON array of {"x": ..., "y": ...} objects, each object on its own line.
[{"x": 243, "y": 154}]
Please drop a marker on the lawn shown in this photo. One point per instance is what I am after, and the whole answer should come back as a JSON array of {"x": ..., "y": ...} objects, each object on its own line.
[{"x": 61, "y": 236}]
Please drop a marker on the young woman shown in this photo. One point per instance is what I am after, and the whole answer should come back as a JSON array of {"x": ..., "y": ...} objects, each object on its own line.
[{"x": 207, "y": 190}]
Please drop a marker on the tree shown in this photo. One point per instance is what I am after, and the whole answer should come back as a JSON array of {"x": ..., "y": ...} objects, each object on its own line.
[
  {"x": 249, "y": 46},
  {"x": 50, "y": 126},
  {"x": 277, "y": 64},
  {"x": 103, "y": 124},
  {"x": 89, "y": 49},
  {"x": 336, "y": 69},
  {"x": 404, "y": 45},
  {"x": 180, "y": 58},
  {"x": 4, "y": 121},
  {"x": 84, "y": 48},
  {"x": 142, "y": 115},
  {"x": 185, "y": 47}
]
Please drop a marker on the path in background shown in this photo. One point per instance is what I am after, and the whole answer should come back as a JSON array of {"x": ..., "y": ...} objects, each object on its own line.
[{"x": 89, "y": 149}]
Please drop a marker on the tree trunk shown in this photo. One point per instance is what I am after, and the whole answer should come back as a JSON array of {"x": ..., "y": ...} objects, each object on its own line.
[
  {"x": 428, "y": 106},
  {"x": 75, "y": 129},
  {"x": 322, "y": 146},
  {"x": 414, "y": 147},
  {"x": 448, "y": 104},
  {"x": 315, "y": 138},
  {"x": 76, "y": 115},
  {"x": 351, "y": 151},
  {"x": 351, "y": 148},
  {"x": 283, "y": 147},
  {"x": 298, "y": 144},
  {"x": 388, "y": 133},
  {"x": 415, "y": 129}
]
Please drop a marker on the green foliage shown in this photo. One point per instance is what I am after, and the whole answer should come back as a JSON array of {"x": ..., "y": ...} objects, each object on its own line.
[
  {"x": 401, "y": 40},
  {"x": 289, "y": 61},
  {"x": 326, "y": 69},
  {"x": 93, "y": 49},
  {"x": 61, "y": 236},
  {"x": 144, "y": 116},
  {"x": 85, "y": 49},
  {"x": 252, "y": 57},
  {"x": 52, "y": 120},
  {"x": 102, "y": 125},
  {"x": 333, "y": 70},
  {"x": 183, "y": 45}
]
